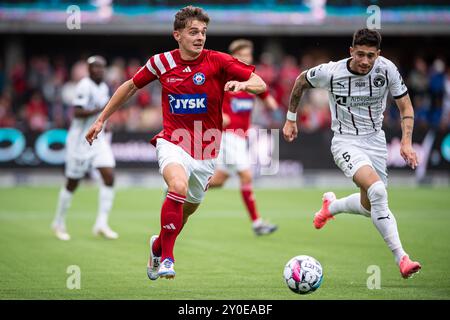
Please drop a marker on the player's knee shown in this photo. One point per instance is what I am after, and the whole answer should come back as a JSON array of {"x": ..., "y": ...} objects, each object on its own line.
[
  {"x": 246, "y": 177},
  {"x": 178, "y": 186},
  {"x": 71, "y": 185},
  {"x": 109, "y": 180},
  {"x": 216, "y": 183},
  {"x": 377, "y": 193},
  {"x": 246, "y": 180}
]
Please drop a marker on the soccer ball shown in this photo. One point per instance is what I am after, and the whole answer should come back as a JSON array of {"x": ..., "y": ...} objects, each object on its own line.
[{"x": 303, "y": 274}]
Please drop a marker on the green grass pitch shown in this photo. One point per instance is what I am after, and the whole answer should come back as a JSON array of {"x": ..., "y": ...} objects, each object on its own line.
[{"x": 217, "y": 254}]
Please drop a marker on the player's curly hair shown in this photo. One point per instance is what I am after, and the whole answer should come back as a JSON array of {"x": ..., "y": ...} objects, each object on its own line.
[
  {"x": 186, "y": 14},
  {"x": 367, "y": 37}
]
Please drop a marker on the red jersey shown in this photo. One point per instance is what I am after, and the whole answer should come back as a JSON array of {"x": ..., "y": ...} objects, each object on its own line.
[
  {"x": 192, "y": 96},
  {"x": 238, "y": 106}
]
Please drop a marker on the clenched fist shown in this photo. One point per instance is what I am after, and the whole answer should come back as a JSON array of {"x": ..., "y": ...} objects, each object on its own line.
[{"x": 290, "y": 131}]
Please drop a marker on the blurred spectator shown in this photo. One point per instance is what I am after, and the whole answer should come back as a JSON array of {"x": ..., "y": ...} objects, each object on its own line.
[
  {"x": 36, "y": 112},
  {"x": 266, "y": 69},
  {"x": 132, "y": 68},
  {"x": 306, "y": 62},
  {"x": 115, "y": 74},
  {"x": 288, "y": 73},
  {"x": 2, "y": 77},
  {"x": 445, "y": 120},
  {"x": 39, "y": 72},
  {"x": 315, "y": 115},
  {"x": 79, "y": 70},
  {"x": 437, "y": 81},
  {"x": 421, "y": 111},
  {"x": 7, "y": 118},
  {"x": 19, "y": 84},
  {"x": 418, "y": 78}
]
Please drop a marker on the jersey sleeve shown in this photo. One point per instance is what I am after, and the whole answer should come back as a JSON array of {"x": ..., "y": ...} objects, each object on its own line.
[
  {"x": 145, "y": 74},
  {"x": 233, "y": 68},
  {"x": 263, "y": 95},
  {"x": 81, "y": 98},
  {"x": 319, "y": 76},
  {"x": 396, "y": 84}
]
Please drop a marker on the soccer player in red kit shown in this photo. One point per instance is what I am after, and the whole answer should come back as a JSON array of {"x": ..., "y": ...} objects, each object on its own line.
[
  {"x": 193, "y": 81},
  {"x": 234, "y": 155}
]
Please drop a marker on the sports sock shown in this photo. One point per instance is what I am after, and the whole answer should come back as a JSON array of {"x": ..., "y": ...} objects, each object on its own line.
[
  {"x": 64, "y": 201},
  {"x": 257, "y": 223},
  {"x": 350, "y": 204},
  {"x": 249, "y": 200},
  {"x": 105, "y": 203},
  {"x": 384, "y": 220},
  {"x": 171, "y": 223}
]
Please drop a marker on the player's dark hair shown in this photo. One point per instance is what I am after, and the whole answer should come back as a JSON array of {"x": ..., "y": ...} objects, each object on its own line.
[
  {"x": 367, "y": 37},
  {"x": 239, "y": 44},
  {"x": 187, "y": 14}
]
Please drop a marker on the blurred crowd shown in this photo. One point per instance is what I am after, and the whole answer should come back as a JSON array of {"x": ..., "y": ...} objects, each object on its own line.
[{"x": 37, "y": 94}]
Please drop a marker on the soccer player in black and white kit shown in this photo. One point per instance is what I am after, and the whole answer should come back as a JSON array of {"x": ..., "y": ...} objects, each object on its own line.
[
  {"x": 91, "y": 96},
  {"x": 358, "y": 87}
]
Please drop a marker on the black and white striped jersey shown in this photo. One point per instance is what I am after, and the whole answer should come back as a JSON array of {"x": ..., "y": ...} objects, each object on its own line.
[{"x": 357, "y": 102}]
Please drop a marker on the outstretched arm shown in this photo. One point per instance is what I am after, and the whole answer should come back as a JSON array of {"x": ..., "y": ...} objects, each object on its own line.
[
  {"x": 290, "y": 130},
  {"x": 122, "y": 94},
  {"x": 254, "y": 85},
  {"x": 407, "y": 122}
]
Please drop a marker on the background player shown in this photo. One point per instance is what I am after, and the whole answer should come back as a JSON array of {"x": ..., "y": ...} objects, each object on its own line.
[
  {"x": 193, "y": 81},
  {"x": 234, "y": 155},
  {"x": 358, "y": 88},
  {"x": 91, "y": 96}
]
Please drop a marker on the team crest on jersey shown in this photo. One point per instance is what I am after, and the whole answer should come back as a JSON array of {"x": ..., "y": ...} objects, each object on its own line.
[
  {"x": 379, "y": 81},
  {"x": 199, "y": 78}
]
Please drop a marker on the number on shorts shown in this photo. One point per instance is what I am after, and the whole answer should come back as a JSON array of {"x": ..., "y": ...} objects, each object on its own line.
[{"x": 346, "y": 156}]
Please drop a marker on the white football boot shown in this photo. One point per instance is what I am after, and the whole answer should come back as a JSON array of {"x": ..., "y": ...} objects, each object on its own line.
[
  {"x": 105, "y": 231},
  {"x": 264, "y": 228},
  {"x": 153, "y": 262},
  {"x": 166, "y": 269},
  {"x": 60, "y": 232}
]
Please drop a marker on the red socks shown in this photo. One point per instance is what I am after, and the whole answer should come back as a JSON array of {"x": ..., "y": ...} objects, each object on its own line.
[
  {"x": 171, "y": 224},
  {"x": 249, "y": 199}
]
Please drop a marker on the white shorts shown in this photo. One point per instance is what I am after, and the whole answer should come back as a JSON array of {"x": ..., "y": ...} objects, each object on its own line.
[
  {"x": 352, "y": 152},
  {"x": 77, "y": 165},
  {"x": 234, "y": 154},
  {"x": 199, "y": 172}
]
